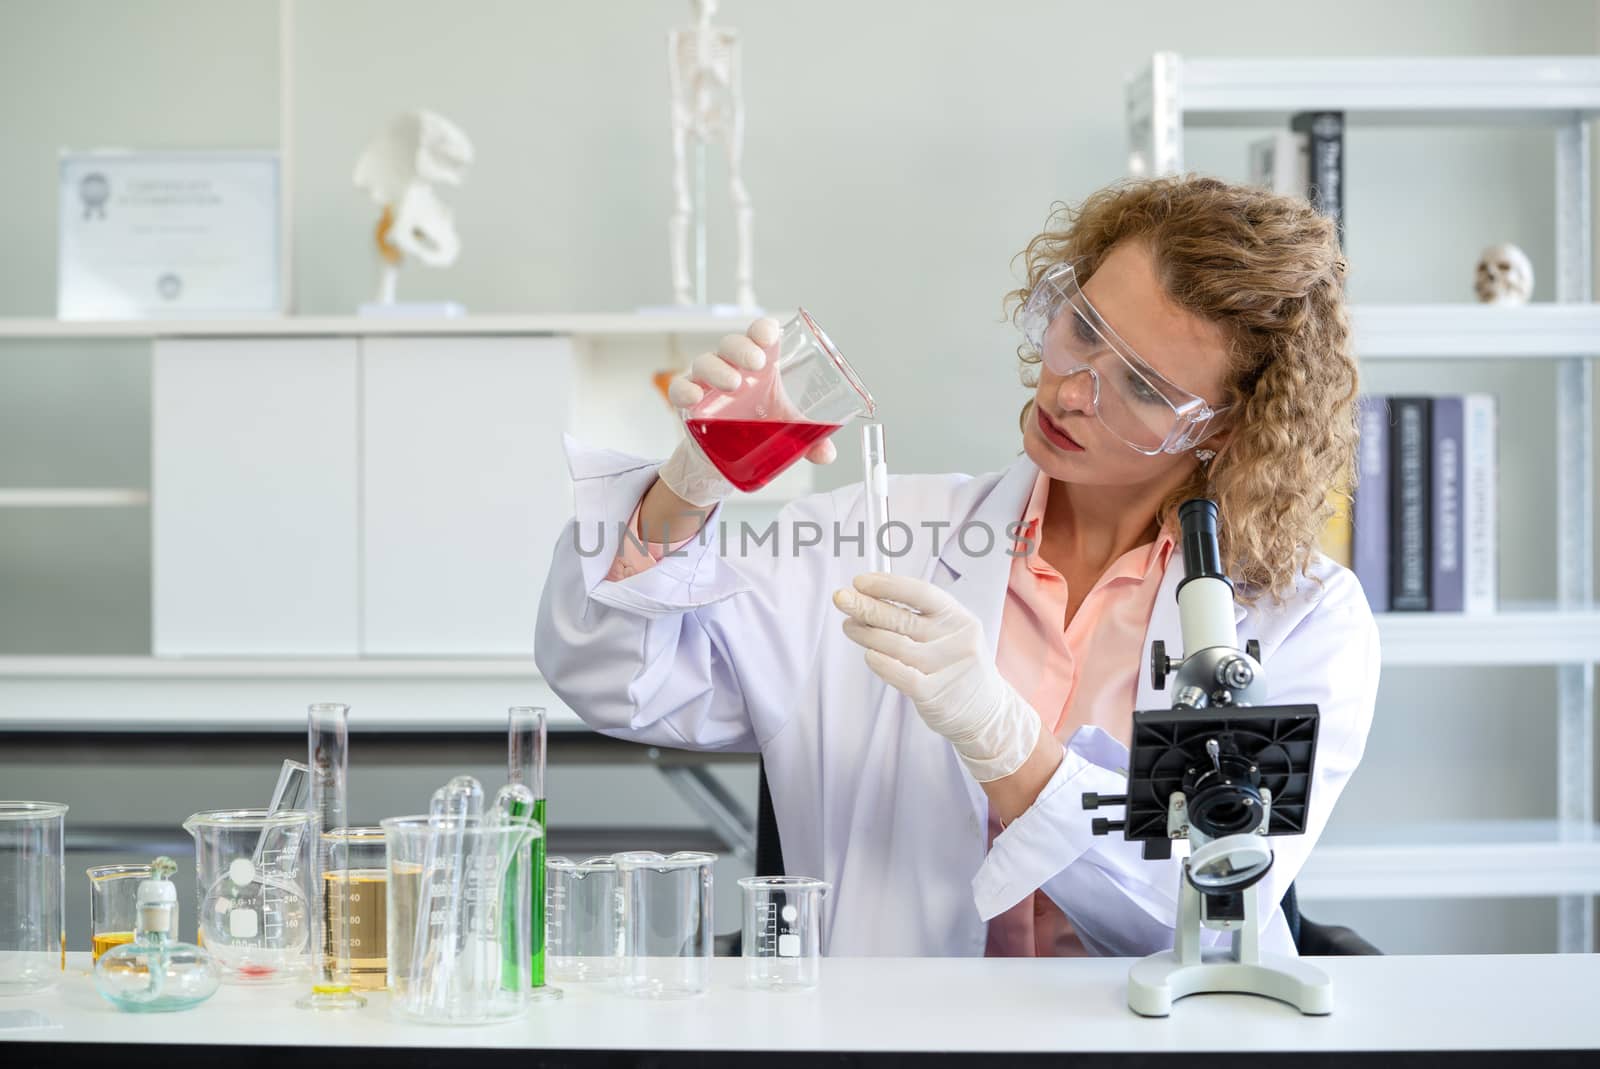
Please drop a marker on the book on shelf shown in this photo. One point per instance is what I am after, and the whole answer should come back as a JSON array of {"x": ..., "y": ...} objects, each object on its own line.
[
  {"x": 1448, "y": 589},
  {"x": 1369, "y": 537},
  {"x": 1424, "y": 534},
  {"x": 1279, "y": 163},
  {"x": 1337, "y": 538},
  {"x": 1480, "y": 449},
  {"x": 1410, "y": 504},
  {"x": 1324, "y": 133}
]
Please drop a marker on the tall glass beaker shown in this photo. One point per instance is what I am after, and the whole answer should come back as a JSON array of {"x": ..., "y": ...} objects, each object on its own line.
[
  {"x": 459, "y": 919},
  {"x": 33, "y": 870},
  {"x": 666, "y": 923},
  {"x": 253, "y": 882}
]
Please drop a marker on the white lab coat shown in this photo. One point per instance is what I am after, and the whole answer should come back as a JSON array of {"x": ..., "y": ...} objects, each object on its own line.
[{"x": 739, "y": 648}]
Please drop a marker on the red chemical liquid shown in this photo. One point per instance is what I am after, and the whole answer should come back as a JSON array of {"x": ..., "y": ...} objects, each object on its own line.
[{"x": 751, "y": 452}]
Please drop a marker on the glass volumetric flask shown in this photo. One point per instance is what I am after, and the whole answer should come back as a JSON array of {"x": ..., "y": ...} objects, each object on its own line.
[
  {"x": 33, "y": 934},
  {"x": 804, "y": 393},
  {"x": 666, "y": 923},
  {"x": 584, "y": 934},
  {"x": 113, "y": 905},
  {"x": 252, "y": 874},
  {"x": 782, "y": 932}
]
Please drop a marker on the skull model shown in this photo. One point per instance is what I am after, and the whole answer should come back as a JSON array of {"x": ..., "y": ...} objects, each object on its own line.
[{"x": 1505, "y": 276}]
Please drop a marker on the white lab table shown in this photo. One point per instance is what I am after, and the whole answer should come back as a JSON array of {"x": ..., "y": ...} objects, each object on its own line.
[{"x": 1388, "y": 1009}]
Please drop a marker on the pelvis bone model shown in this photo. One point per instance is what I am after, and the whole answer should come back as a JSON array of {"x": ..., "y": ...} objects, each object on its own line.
[{"x": 399, "y": 170}]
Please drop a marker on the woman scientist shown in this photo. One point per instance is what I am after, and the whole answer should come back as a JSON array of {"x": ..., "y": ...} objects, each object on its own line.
[{"x": 1185, "y": 337}]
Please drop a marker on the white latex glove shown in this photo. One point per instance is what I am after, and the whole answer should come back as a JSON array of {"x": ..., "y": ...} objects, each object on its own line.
[
  {"x": 937, "y": 657},
  {"x": 687, "y": 472}
]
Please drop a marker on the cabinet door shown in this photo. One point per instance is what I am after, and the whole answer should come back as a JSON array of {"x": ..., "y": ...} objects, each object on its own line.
[
  {"x": 253, "y": 478},
  {"x": 464, "y": 492}
]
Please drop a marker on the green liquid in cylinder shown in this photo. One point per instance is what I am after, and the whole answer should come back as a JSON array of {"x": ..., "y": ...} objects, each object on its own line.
[{"x": 536, "y": 882}]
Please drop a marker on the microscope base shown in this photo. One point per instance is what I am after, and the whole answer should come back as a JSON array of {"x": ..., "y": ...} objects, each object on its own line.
[{"x": 1156, "y": 982}]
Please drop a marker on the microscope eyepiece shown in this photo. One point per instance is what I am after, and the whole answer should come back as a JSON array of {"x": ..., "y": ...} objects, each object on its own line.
[{"x": 1202, "y": 554}]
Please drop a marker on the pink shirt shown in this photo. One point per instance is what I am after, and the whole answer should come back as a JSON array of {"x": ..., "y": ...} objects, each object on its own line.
[{"x": 1075, "y": 673}]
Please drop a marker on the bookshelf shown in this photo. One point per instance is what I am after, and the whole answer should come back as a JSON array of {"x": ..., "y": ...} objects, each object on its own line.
[{"x": 1558, "y": 858}]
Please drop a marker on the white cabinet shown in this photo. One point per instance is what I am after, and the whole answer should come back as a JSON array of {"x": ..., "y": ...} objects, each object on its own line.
[
  {"x": 381, "y": 496},
  {"x": 375, "y": 496},
  {"x": 464, "y": 490},
  {"x": 254, "y": 497}
]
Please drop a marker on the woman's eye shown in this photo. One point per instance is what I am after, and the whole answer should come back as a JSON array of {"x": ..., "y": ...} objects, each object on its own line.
[
  {"x": 1140, "y": 390},
  {"x": 1081, "y": 329}
]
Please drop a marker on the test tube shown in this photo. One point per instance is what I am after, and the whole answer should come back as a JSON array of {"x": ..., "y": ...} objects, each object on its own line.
[
  {"x": 527, "y": 735},
  {"x": 875, "y": 487},
  {"x": 327, "y": 761}
]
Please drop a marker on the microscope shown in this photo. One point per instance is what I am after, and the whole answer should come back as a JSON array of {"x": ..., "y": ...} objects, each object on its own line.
[{"x": 1224, "y": 773}]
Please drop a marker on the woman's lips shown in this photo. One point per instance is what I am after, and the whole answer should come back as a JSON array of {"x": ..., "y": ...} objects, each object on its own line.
[{"x": 1055, "y": 435}]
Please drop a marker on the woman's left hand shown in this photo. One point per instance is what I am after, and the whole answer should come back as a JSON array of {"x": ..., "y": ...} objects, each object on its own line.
[{"x": 925, "y": 644}]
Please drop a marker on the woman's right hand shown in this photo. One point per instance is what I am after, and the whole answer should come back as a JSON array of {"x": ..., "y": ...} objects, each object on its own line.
[{"x": 687, "y": 473}]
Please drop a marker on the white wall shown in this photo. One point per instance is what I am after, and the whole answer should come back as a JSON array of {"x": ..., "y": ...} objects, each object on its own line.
[{"x": 899, "y": 155}]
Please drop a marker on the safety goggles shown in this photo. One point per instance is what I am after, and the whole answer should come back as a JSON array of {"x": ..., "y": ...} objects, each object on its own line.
[{"x": 1148, "y": 412}]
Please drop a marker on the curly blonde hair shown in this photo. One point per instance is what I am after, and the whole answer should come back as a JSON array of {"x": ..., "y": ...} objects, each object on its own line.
[{"x": 1267, "y": 269}]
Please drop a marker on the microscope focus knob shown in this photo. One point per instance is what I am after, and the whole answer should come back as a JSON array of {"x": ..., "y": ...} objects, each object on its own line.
[{"x": 1159, "y": 665}]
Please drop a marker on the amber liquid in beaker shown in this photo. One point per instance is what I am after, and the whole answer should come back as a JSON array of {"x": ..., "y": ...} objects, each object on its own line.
[
  {"x": 362, "y": 895},
  {"x": 405, "y": 886},
  {"x": 104, "y": 941}
]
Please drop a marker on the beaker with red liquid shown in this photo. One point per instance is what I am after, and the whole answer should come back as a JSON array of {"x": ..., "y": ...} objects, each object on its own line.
[{"x": 804, "y": 393}]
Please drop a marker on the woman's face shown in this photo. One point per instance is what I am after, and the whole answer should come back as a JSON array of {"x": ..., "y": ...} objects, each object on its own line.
[{"x": 1063, "y": 436}]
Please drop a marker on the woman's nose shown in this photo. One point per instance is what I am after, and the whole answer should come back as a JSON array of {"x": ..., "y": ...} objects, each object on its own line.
[{"x": 1076, "y": 391}]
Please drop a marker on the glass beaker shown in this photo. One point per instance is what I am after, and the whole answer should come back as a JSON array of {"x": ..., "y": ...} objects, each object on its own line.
[
  {"x": 358, "y": 896},
  {"x": 460, "y": 919},
  {"x": 251, "y": 878},
  {"x": 33, "y": 870},
  {"x": 584, "y": 936},
  {"x": 113, "y": 905},
  {"x": 781, "y": 937},
  {"x": 666, "y": 923},
  {"x": 804, "y": 393}
]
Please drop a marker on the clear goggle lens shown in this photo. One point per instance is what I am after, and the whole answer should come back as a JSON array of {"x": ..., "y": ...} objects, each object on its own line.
[{"x": 1132, "y": 399}]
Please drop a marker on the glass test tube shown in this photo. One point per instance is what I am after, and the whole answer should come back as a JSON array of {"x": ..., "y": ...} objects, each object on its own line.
[
  {"x": 526, "y": 739},
  {"x": 328, "y": 756},
  {"x": 875, "y": 486}
]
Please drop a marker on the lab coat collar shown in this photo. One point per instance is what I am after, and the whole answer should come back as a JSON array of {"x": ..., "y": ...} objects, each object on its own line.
[{"x": 998, "y": 509}]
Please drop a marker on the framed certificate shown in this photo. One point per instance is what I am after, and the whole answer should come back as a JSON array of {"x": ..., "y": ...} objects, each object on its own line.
[{"x": 147, "y": 235}]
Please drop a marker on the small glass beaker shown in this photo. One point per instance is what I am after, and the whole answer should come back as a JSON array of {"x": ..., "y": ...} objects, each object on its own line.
[
  {"x": 804, "y": 393},
  {"x": 460, "y": 919},
  {"x": 781, "y": 937},
  {"x": 113, "y": 905},
  {"x": 666, "y": 923},
  {"x": 584, "y": 936},
  {"x": 361, "y": 892},
  {"x": 33, "y": 871},
  {"x": 251, "y": 878}
]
